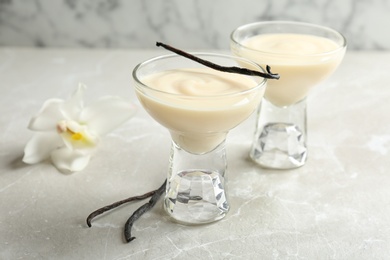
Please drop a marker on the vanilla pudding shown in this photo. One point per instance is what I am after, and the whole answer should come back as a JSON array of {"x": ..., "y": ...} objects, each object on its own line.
[
  {"x": 303, "y": 55},
  {"x": 199, "y": 105},
  {"x": 301, "y": 60}
]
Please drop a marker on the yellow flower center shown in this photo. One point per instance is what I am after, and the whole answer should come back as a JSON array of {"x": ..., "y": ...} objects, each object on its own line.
[{"x": 77, "y": 136}]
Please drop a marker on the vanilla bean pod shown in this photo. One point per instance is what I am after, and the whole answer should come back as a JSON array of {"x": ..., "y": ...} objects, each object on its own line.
[
  {"x": 141, "y": 210},
  {"x": 117, "y": 204},
  {"x": 244, "y": 71}
]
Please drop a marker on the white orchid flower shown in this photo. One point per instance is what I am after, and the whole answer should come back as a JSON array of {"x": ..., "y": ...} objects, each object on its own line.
[{"x": 68, "y": 133}]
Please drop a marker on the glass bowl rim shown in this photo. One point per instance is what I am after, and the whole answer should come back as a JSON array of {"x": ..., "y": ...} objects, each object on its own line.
[
  {"x": 301, "y": 24},
  {"x": 258, "y": 85}
]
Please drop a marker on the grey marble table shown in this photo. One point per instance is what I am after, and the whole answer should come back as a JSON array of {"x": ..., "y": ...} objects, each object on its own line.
[{"x": 335, "y": 207}]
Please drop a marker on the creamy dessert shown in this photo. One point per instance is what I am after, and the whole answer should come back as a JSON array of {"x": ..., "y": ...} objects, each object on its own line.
[
  {"x": 301, "y": 60},
  {"x": 199, "y": 106}
]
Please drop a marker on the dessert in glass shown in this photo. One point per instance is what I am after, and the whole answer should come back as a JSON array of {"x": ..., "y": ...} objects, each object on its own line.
[
  {"x": 303, "y": 55},
  {"x": 198, "y": 105}
]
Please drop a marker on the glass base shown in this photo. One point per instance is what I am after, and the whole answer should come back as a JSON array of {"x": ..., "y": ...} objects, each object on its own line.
[
  {"x": 196, "y": 192},
  {"x": 196, "y": 197},
  {"x": 280, "y": 138},
  {"x": 280, "y": 146}
]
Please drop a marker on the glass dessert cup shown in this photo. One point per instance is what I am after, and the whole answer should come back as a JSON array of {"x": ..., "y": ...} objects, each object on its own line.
[
  {"x": 198, "y": 121},
  {"x": 303, "y": 55}
]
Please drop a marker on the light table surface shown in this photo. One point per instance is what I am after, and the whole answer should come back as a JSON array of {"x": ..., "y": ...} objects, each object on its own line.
[{"x": 337, "y": 206}]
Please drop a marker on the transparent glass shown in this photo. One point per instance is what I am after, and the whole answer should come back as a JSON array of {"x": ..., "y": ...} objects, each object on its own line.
[
  {"x": 196, "y": 190},
  {"x": 281, "y": 130}
]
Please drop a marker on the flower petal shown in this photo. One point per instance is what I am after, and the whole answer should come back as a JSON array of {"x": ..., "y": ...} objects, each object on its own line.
[
  {"x": 106, "y": 114},
  {"x": 40, "y": 146},
  {"x": 67, "y": 160},
  {"x": 72, "y": 107},
  {"x": 48, "y": 116}
]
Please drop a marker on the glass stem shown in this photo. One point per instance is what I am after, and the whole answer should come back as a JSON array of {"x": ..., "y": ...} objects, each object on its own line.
[
  {"x": 280, "y": 136},
  {"x": 196, "y": 188}
]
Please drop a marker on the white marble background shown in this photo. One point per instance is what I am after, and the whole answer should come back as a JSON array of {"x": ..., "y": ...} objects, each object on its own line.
[{"x": 196, "y": 24}]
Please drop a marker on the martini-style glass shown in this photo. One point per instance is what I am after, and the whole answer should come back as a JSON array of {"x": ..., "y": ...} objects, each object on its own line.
[
  {"x": 198, "y": 106},
  {"x": 303, "y": 55}
]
